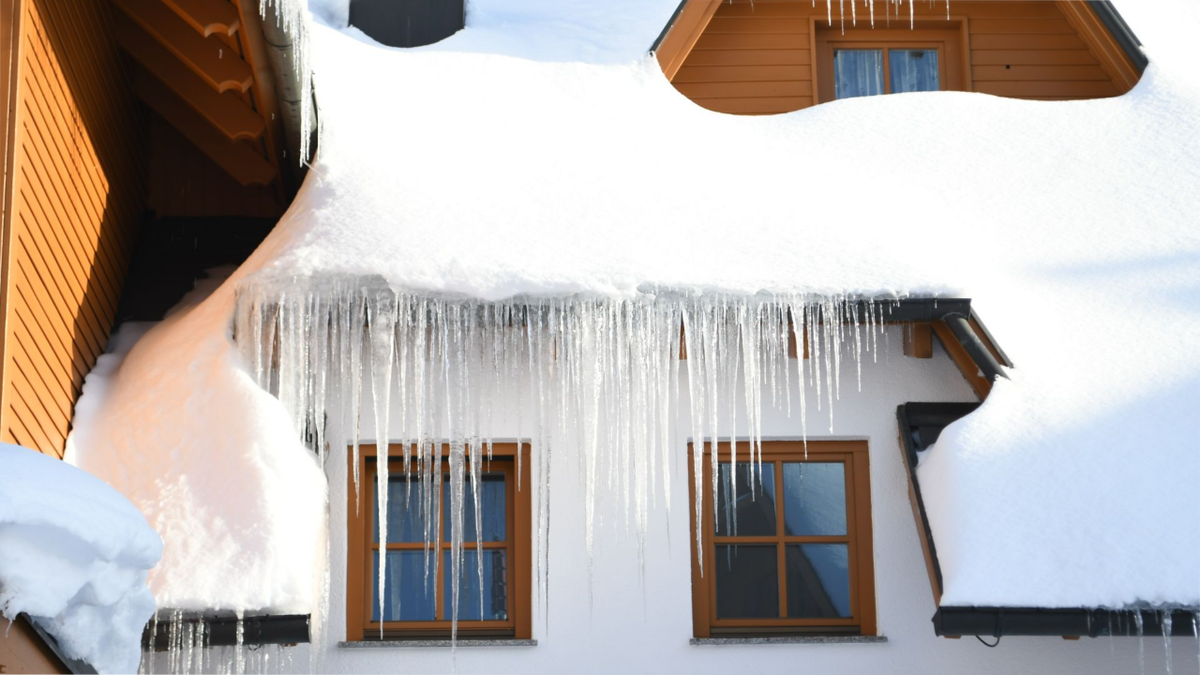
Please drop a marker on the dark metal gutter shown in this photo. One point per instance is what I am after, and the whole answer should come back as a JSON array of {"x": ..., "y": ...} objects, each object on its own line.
[
  {"x": 1081, "y": 622},
  {"x": 222, "y": 630},
  {"x": 1121, "y": 32},
  {"x": 961, "y": 327}
]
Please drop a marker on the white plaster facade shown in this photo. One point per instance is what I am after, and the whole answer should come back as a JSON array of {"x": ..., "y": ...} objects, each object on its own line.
[{"x": 640, "y": 619}]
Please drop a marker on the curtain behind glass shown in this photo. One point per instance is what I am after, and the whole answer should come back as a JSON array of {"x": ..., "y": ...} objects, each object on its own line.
[
  {"x": 857, "y": 72},
  {"x": 913, "y": 70}
]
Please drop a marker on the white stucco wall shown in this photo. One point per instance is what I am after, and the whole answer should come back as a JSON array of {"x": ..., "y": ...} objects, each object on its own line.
[{"x": 641, "y": 618}]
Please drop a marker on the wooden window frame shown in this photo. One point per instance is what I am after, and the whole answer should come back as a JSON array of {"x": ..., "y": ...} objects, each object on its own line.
[
  {"x": 360, "y": 545},
  {"x": 862, "y": 621},
  {"x": 949, "y": 43}
]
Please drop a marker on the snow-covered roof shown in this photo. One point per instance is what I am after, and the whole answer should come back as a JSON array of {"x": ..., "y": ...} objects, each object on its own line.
[{"x": 540, "y": 152}]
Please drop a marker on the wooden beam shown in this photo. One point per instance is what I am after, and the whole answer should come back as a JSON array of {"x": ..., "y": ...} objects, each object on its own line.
[
  {"x": 207, "y": 16},
  {"x": 1101, "y": 43},
  {"x": 958, "y": 354},
  {"x": 918, "y": 340},
  {"x": 688, "y": 27},
  {"x": 226, "y": 112},
  {"x": 236, "y": 158},
  {"x": 210, "y": 58}
]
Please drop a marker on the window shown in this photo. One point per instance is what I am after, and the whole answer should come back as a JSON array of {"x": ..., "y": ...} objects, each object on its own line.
[
  {"x": 869, "y": 72},
  {"x": 869, "y": 62},
  {"x": 417, "y": 597},
  {"x": 791, "y": 554}
]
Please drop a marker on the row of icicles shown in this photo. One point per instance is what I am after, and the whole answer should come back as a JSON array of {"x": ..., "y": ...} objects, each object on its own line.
[{"x": 602, "y": 375}]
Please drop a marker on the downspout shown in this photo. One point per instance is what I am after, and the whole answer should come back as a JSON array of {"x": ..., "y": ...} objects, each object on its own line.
[{"x": 289, "y": 83}]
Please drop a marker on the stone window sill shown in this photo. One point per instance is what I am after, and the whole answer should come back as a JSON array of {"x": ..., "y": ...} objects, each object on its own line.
[
  {"x": 791, "y": 640},
  {"x": 416, "y": 644}
]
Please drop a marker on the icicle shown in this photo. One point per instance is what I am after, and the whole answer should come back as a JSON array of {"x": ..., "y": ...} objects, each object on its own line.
[
  {"x": 602, "y": 374},
  {"x": 1138, "y": 623},
  {"x": 1196, "y": 632},
  {"x": 1165, "y": 621},
  {"x": 239, "y": 661}
]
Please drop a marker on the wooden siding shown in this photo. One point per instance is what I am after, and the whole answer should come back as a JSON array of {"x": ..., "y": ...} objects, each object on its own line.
[
  {"x": 78, "y": 191},
  {"x": 184, "y": 182},
  {"x": 758, "y": 57}
]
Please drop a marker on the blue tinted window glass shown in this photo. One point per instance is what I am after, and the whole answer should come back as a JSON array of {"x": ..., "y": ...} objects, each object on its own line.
[
  {"x": 748, "y": 510},
  {"x": 857, "y": 72},
  {"x": 913, "y": 70},
  {"x": 814, "y": 498},
  {"x": 747, "y": 582},
  {"x": 491, "y": 505},
  {"x": 410, "y": 593},
  {"x": 494, "y": 588},
  {"x": 406, "y": 520},
  {"x": 818, "y": 581}
]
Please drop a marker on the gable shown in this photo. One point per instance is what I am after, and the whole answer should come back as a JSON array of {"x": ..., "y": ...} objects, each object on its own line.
[{"x": 765, "y": 57}]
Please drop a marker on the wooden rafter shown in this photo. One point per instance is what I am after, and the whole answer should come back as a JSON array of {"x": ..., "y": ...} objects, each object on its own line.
[
  {"x": 210, "y": 58},
  {"x": 227, "y": 112},
  {"x": 209, "y": 17}
]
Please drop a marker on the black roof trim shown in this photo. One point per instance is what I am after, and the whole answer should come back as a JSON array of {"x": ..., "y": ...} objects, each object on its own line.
[
  {"x": 1121, "y": 32},
  {"x": 221, "y": 630},
  {"x": 77, "y": 666},
  {"x": 667, "y": 28},
  {"x": 920, "y": 425},
  {"x": 1070, "y": 622}
]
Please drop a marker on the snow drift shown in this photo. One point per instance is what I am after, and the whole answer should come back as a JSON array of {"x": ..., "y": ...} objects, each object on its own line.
[{"x": 74, "y": 555}]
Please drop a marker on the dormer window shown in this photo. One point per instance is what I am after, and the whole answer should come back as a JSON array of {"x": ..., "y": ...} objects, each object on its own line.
[
  {"x": 869, "y": 72},
  {"x": 896, "y": 60}
]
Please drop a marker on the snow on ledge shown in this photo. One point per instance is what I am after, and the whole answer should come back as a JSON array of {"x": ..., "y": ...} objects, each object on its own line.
[{"x": 74, "y": 555}]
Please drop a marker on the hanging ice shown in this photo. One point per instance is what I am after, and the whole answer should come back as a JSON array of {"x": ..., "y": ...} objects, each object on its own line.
[{"x": 602, "y": 373}]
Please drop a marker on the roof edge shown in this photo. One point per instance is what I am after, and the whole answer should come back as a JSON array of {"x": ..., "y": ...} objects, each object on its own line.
[
  {"x": 1121, "y": 32},
  {"x": 667, "y": 28},
  {"x": 1065, "y": 622}
]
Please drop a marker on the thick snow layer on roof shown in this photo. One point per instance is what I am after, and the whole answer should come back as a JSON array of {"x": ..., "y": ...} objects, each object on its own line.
[
  {"x": 210, "y": 459},
  {"x": 541, "y": 152},
  {"x": 74, "y": 555}
]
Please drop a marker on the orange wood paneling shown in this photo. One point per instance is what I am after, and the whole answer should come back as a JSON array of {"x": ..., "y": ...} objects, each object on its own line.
[
  {"x": 22, "y": 650},
  {"x": 759, "y": 57},
  {"x": 77, "y": 200}
]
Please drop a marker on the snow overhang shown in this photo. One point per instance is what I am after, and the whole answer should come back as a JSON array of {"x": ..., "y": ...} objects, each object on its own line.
[{"x": 920, "y": 424}]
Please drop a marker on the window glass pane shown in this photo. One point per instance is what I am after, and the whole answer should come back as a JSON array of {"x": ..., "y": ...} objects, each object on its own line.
[
  {"x": 406, "y": 521},
  {"x": 814, "y": 498},
  {"x": 491, "y": 504},
  {"x": 818, "y": 581},
  {"x": 857, "y": 72},
  {"x": 410, "y": 596},
  {"x": 753, "y": 506},
  {"x": 495, "y": 586},
  {"x": 747, "y": 582},
  {"x": 913, "y": 70}
]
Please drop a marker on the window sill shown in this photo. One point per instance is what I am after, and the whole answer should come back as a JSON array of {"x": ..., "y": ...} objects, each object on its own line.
[
  {"x": 791, "y": 640},
  {"x": 438, "y": 643}
]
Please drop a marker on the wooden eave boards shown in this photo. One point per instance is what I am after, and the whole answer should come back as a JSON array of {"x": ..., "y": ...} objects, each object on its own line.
[{"x": 200, "y": 71}]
